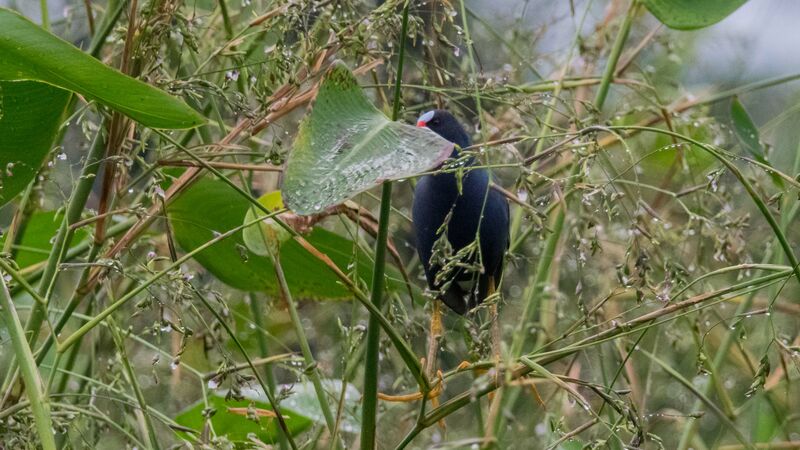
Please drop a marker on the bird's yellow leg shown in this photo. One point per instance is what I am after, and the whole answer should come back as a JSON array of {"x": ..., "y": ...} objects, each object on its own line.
[
  {"x": 495, "y": 331},
  {"x": 435, "y": 334},
  {"x": 495, "y": 397},
  {"x": 433, "y": 395},
  {"x": 463, "y": 365},
  {"x": 433, "y": 350}
]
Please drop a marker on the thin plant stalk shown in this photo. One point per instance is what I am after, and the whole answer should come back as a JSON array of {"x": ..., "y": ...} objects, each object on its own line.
[
  {"x": 613, "y": 57},
  {"x": 267, "y": 391},
  {"x": 733, "y": 331},
  {"x": 701, "y": 397},
  {"x": 89, "y": 325},
  {"x": 403, "y": 349},
  {"x": 305, "y": 349},
  {"x": 45, "y": 14},
  {"x": 148, "y": 429},
  {"x": 61, "y": 243},
  {"x": 258, "y": 320},
  {"x": 65, "y": 233},
  {"x": 40, "y": 406},
  {"x": 77, "y": 298},
  {"x": 127, "y": 398},
  {"x": 34, "y": 273},
  {"x": 69, "y": 364},
  {"x": 536, "y": 289},
  {"x": 101, "y": 417},
  {"x": 370, "y": 394},
  {"x": 473, "y": 68},
  {"x": 16, "y": 228}
]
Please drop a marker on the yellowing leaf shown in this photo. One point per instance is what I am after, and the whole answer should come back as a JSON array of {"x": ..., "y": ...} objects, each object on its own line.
[{"x": 266, "y": 238}]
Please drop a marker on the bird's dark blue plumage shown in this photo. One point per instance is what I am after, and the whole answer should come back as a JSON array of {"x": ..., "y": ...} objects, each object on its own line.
[{"x": 478, "y": 212}]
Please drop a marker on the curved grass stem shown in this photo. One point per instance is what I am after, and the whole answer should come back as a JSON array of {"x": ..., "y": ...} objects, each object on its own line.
[
  {"x": 701, "y": 396},
  {"x": 759, "y": 202}
]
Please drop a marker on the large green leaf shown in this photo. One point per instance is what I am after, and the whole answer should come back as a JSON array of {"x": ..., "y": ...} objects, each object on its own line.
[
  {"x": 237, "y": 427},
  {"x": 28, "y": 52},
  {"x": 345, "y": 146},
  {"x": 30, "y": 115},
  {"x": 211, "y": 206},
  {"x": 692, "y": 14}
]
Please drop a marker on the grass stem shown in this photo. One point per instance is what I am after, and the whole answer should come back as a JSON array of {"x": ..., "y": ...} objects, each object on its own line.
[
  {"x": 40, "y": 405},
  {"x": 305, "y": 348},
  {"x": 371, "y": 370}
]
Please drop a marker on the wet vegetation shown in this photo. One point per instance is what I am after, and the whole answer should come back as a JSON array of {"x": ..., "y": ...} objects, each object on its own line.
[{"x": 158, "y": 293}]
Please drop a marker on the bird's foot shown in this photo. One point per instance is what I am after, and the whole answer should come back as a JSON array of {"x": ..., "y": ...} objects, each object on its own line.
[
  {"x": 463, "y": 365},
  {"x": 433, "y": 394}
]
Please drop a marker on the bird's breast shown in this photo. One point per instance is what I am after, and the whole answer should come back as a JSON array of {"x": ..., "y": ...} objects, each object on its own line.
[{"x": 438, "y": 196}]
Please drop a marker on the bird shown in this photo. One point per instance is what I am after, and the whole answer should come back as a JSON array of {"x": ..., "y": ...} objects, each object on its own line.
[{"x": 464, "y": 211}]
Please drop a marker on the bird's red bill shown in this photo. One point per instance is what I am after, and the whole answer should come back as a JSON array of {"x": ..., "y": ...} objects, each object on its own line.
[{"x": 422, "y": 121}]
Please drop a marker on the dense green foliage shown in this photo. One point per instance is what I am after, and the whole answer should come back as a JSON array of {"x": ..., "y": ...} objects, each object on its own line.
[{"x": 157, "y": 293}]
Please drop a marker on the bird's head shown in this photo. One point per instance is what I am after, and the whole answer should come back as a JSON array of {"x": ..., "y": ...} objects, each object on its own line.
[{"x": 445, "y": 125}]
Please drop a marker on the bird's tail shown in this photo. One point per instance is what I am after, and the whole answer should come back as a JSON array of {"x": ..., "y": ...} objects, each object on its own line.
[
  {"x": 461, "y": 296},
  {"x": 455, "y": 298}
]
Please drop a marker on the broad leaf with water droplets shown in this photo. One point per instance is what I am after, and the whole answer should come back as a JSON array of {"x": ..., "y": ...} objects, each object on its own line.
[{"x": 346, "y": 146}]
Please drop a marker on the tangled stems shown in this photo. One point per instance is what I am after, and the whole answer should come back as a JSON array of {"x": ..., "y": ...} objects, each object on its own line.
[{"x": 544, "y": 358}]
